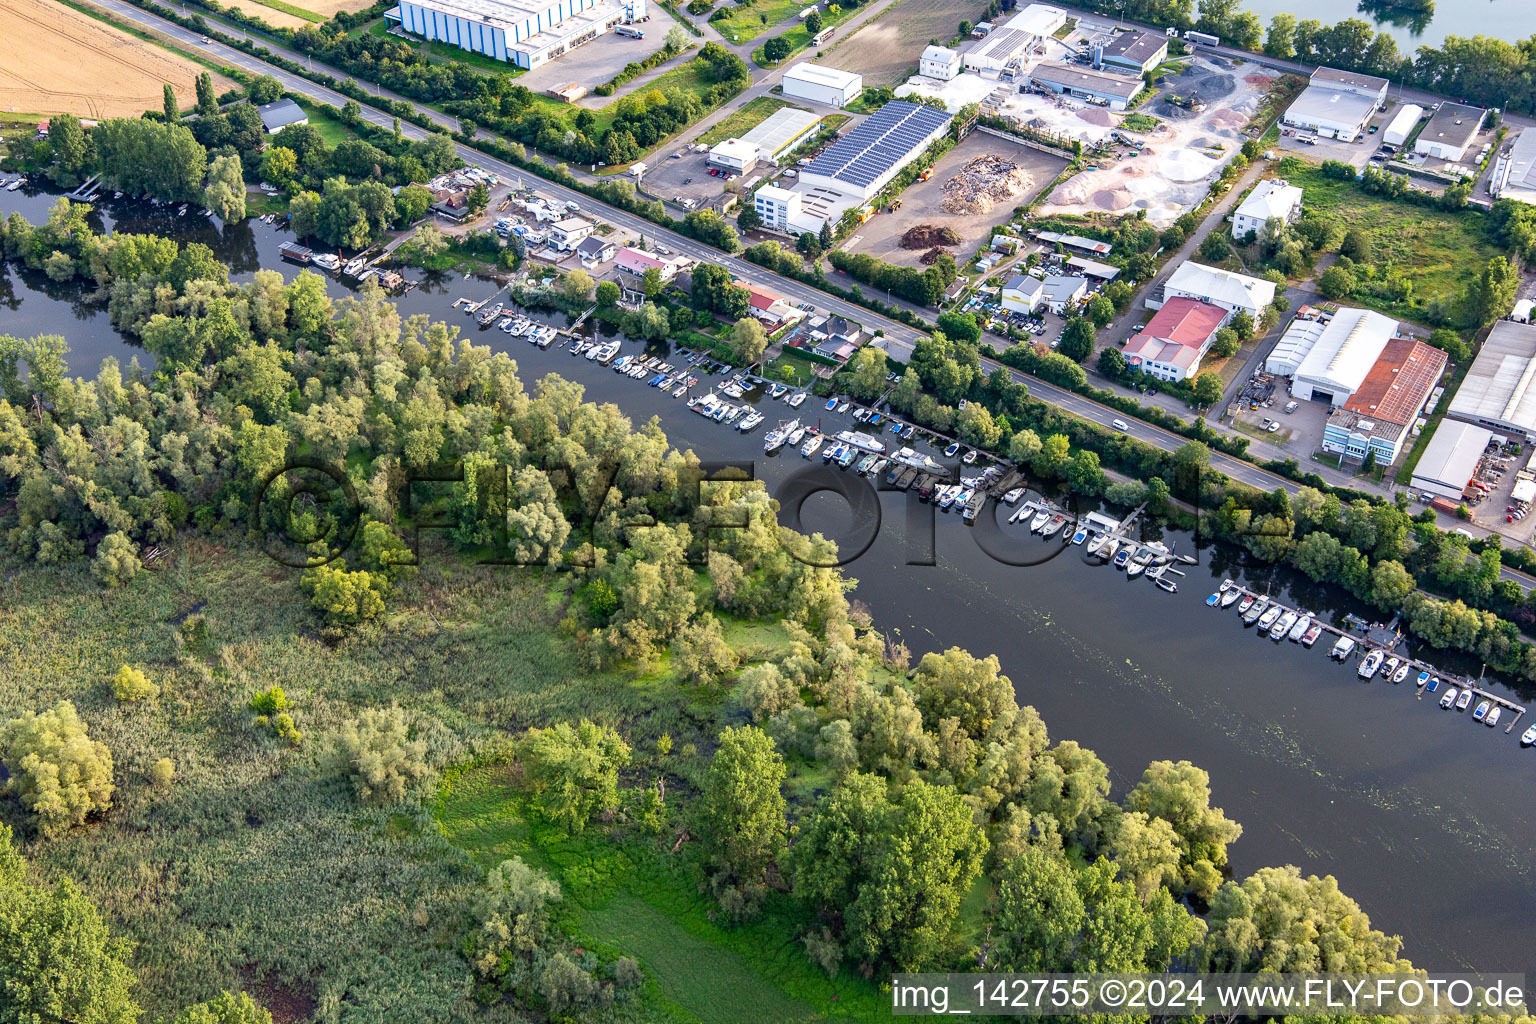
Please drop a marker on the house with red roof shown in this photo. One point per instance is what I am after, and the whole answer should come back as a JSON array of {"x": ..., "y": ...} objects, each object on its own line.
[
  {"x": 1176, "y": 339},
  {"x": 771, "y": 309}
]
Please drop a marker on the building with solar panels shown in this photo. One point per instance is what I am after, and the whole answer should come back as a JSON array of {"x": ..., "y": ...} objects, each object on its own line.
[{"x": 864, "y": 161}]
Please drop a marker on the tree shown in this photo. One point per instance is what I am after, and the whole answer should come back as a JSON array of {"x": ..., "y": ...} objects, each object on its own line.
[
  {"x": 169, "y": 108},
  {"x": 383, "y": 759},
  {"x": 58, "y": 961},
  {"x": 1208, "y": 388},
  {"x": 1214, "y": 247},
  {"x": 225, "y": 1008},
  {"x": 574, "y": 770},
  {"x": 676, "y": 39},
  {"x": 776, "y": 49},
  {"x": 651, "y": 283},
  {"x": 895, "y": 869},
  {"x": 959, "y": 327},
  {"x": 748, "y": 340},
  {"x": 748, "y": 219},
  {"x": 577, "y": 285},
  {"x": 1492, "y": 295},
  {"x": 1226, "y": 344},
  {"x": 225, "y": 194},
  {"x": 1100, "y": 310},
  {"x": 1077, "y": 339},
  {"x": 825, "y": 235},
  {"x": 700, "y": 652},
  {"x": 1112, "y": 363},
  {"x": 411, "y": 204},
  {"x": 1085, "y": 475},
  {"x": 1336, "y": 282},
  {"x": 117, "y": 560},
  {"x": 207, "y": 102},
  {"x": 279, "y": 167},
  {"x": 477, "y": 198},
  {"x": 741, "y": 817},
  {"x": 1055, "y": 453},
  {"x": 1180, "y": 794},
  {"x": 1023, "y": 446},
  {"x": 813, "y": 22},
  {"x": 1280, "y": 40},
  {"x": 56, "y": 770},
  {"x": 608, "y": 294}
]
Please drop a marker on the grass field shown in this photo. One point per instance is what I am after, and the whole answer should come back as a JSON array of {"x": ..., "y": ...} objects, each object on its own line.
[
  {"x": 742, "y": 121},
  {"x": 55, "y": 60},
  {"x": 885, "y": 52},
  {"x": 330, "y": 8},
  {"x": 275, "y": 13},
  {"x": 333, "y": 131},
  {"x": 1439, "y": 251},
  {"x": 747, "y": 23}
]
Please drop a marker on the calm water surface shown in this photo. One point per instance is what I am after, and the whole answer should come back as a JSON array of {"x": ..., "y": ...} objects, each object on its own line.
[
  {"x": 1424, "y": 817},
  {"x": 1507, "y": 19}
]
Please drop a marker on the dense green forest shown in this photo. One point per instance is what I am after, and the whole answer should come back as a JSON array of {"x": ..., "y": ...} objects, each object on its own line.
[{"x": 258, "y": 775}]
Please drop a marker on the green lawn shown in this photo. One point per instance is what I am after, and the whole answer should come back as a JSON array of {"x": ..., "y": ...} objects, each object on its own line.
[
  {"x": 744, "y": 120},
  {"x": 331, "y": 130},
  {"x": 749, "y": 22},
  {"x": 1438, "y": 251}
]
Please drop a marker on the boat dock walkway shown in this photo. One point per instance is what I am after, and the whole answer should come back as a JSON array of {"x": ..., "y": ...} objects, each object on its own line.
[{"x": 1388, "y": 641}]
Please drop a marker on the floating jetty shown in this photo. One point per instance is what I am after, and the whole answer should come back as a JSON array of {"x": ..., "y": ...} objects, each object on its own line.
[{"x": 1373, "y": 637}]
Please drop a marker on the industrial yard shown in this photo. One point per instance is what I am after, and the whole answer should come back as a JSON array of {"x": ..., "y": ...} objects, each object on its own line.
[
  {"x": 55, "y": 60},
  {"x": 951, "y": 199}
]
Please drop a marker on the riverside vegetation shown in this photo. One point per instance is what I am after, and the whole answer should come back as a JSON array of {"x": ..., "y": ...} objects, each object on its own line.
[{"x": 652, "y": 779}]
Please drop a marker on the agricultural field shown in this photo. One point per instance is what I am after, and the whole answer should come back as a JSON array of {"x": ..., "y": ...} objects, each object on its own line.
[
  {"x": 55, "y": 60},
  {"x": 886, "y": 52},
  {"x": 330, "y": 8},
  {"x": 273, "y": 16},
  {"x": 257, "y": 867}
]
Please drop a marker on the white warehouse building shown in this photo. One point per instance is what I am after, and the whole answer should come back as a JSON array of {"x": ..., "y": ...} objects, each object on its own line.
[
  {"x": 527, "y": 33},
  {"x": 1339, "y": 356},
  {"x": 1402, "y": 124},
  {"x": 1337, "y": 104},
  {"x": 829, "y": 86}
]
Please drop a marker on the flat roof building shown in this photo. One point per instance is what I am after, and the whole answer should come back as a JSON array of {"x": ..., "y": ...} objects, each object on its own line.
[
  {"x": 1499, "y": 390},
  {"x": 1342, "y": 356},
  {"x": 1337, "y": 104},
  {"x": 782, "y": 132},
  {"x": 1450, "y": 459},
  {"x": 1176, "y": 339},
  {"x": 939, "y": 62},
  {"x": 280, "y": 114},
  {"x": 527, "y": 33},
  {"x": 1450, "y": 132},
  {"x": 862, "y": 162},
  {"x": 996, "y": 51},
  {"x": 776, "y": 206},
  {"x": 828, "y": 86},
  {"x": 734, "y": 155},
  {"x": 1272, "y": 197},
  {"x": 1235, "y": 292},
  {"x": 1103, "y": 87},
  {"x": 1038, "y": 21},
  {"x": 1378, "y": 418},
  {"x": 1514, "y": 173},
  {"x": 1136, "y": 52}
]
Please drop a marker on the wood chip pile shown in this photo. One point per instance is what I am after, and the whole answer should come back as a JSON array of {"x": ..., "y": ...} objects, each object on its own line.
[
  {"x": 925, "y": 236},
  {"x": 984, "y": 182}
]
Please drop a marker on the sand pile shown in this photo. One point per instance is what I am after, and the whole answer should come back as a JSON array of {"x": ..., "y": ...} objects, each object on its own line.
[
  {"x": 1096, "y": 115},
  {"x": 984, "y": 182},
  {"x": 1111, "y": 199},
  {"x": 926, "y": 236}
]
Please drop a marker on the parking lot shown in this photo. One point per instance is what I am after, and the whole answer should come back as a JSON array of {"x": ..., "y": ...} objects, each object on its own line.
[
  {"x": 922, "y": 202},
  {"x": 1259, "y": 409},
  {"x": 686, "y": 178},
  {"x": 592, "y": 64}
]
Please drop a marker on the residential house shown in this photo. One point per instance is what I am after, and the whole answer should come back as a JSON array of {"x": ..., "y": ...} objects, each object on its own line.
[
  {"x": 594, "y": 250},
  {"x": 568, "y": 234},
  {"x": 1271, "y": 198}
]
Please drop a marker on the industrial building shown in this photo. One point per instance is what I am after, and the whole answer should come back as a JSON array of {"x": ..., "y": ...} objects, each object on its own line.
[
  {"x": 782, "y": 132},
  {"x": 1136, "y": 52},
  {"x": 939, "y": 62},
  {"x": 1336, "y": 357},
  {"x": 280, "y": 114},
  {"x": 1337, "y": 104},
  {"x": 993, "y": 55},
  {"x": 734, "y": 155},
  {"x": 1402, "y": 124},
  {"x": 1023, "y": 294},
  {"x": 776, "y": 206},
  {"x": 1105, "y": 88},
  {"x": 1514, "y": 173},
  {"x": 1271, "y": 198},
  {"x": 1498, "y": 390},
  {"x": 1037, "y": 21},
  {"x": 1063, "y": 291},
  {"x": 828, "y": 86},
  {"x": 1176, "y": 339},
  {"x": 1230, "y": 291},
  {"x": 1450, "y": 132},
  {"x": 527, "y": 33},
  {"x": 1450, "y": 459},
  {"x": 1379, "y": 417},
  {"x": 864, "y": 161}
]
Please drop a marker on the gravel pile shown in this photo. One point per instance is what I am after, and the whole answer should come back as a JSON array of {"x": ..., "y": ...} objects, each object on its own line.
[{"x": 984, "y": 182}]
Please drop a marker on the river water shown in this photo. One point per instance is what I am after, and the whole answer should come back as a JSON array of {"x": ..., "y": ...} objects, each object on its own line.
[
  {"x": 1507, "y": 19},
  {"x": 1425, "y": 818}
]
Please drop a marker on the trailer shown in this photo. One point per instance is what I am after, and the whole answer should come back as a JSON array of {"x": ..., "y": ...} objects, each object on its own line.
[
  {"x": 630, "y": 31},
  {"x": 1203, "y": 38}
]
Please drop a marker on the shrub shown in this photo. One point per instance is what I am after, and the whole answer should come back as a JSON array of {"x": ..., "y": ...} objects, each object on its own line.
[
  {"x": 132, "y": 684},
  {"x": 163, "y": 773},
  {"x": 345, "y": 597},
  {"x": 379, "y": 752},
  {"x": 271, "y": 707},
  {"x": 117, "y": 560},
  {"x": 225, "y": 1008},
  {"x": 270, "y": 701},
  {"x": 574, "y": 770},
  {"x": 57, "y": 771}
]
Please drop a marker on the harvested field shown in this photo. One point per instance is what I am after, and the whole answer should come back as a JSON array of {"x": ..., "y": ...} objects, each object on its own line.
[
  {"x": 885, "y": 52},
  {"x": 331, "y": 8},
  {"x": 271, "y": 15},
  {"x": 984, "y": 182},
  {"x": 55, "y": 60},
  {"x": 924, "y": 236}
]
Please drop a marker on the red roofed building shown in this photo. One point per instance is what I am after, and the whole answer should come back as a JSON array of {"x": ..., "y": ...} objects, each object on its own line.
[
  {"x": 1379, "y": 416},
  {"x": 771, "y": 309},
  {"x": 1177, "y": 338}
]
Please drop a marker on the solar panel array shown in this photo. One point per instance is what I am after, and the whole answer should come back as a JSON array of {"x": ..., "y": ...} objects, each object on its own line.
[{"x": 880, "y": 142}]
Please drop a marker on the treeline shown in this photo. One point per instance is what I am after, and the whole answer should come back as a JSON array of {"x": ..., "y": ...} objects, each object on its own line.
[
  {"x": 133, "y": 154},
  {"x": 921, "y": 287}
]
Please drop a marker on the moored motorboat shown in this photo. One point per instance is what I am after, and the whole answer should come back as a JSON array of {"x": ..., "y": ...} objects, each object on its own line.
[
  {"x": 1299, "y": 629},
  {"x": 1211, "y": 601},
  {"x": 1245, "y": 604},
  {"x": 1271, "y": 613},
  {"x": 812, "y": 446},
  {"x": 1343, "y": 648},
  {"x": 1164, "y": 583},
  {"x": 1081, "y": 535},
  {"x": 1423, "y": 678},
  {"x": 1055, "y": 524},
  {"x": 1282, "y": 626},
  {"x": 1465, "y": 700},
  {"x": 1230, "y": 596},
  {"x": 1310, "y": 636},
  {"x": 1369, "y": 664},
  {"x": 1390, "y": 666},
  {"x": 1483, "y": 708},
  {"x": 1449, "y": 699},
  {"x": 1401, "y": 673},
  {"x": 1041, "y": 518},
  {"x": 1528, "y": 737},
  {"x": 1493, "y": 716}
]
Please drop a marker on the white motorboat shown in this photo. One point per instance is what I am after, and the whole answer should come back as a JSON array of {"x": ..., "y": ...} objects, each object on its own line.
[
  {"x": 796, "y": 401},
  {"x": 1465, "y": 700},
  {"x": 1013, "y": 496},
  {"x": 1272, "y": 613},
  {"x": 325, "y": 260},
  {"x": 1299, "y": 629},
  {"x": 1282, "y": 626},
  {"x": 1492, "y": 718},
  {"x": 1528, "y": 737},
  {"x": 812, "y": 446},
  {"x": 1230, "y": 595},
  {"x": 749, "y": 422},
  {"x": 1343, "y": 648},
  {"x": 1401, "y": 673},
  {"x": 1369, "y": 664},
  {"x": 1041, "y": 518},
  {"x": 1449, "y": 699}
]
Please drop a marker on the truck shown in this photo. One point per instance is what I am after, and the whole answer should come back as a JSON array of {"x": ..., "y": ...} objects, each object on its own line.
[
  {"x": 1203, "y": 38},
  {"x": 630, "y": 31}
]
